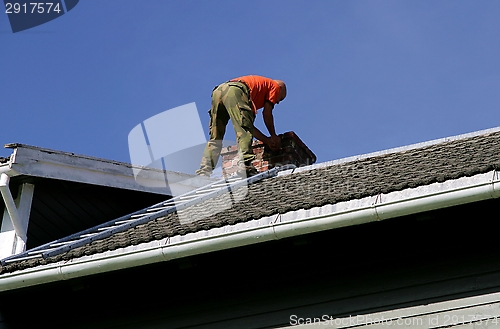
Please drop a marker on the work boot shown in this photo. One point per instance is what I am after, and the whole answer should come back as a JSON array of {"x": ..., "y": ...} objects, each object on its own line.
[
  {"x": 246, "y": 170},
  {"x": 201, "y": 172}
]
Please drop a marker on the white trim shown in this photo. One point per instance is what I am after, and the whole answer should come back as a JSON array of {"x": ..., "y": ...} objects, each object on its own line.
[
  {"x": 15, "y": 217},
  {"x": 14, "y": 224},
  {"x": 354, "y": 212},
  {"x": 39, "y": 162}
]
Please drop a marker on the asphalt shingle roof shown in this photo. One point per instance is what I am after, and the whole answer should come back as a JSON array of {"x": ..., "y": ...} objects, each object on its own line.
[{"x": 313, "y": 188}]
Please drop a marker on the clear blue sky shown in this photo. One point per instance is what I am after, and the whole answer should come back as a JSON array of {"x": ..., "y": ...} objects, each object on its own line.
[{"x": 362, "y": 76}]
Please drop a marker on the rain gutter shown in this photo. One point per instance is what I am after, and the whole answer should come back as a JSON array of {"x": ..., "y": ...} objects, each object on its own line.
[{"x": 376, "y": 208}]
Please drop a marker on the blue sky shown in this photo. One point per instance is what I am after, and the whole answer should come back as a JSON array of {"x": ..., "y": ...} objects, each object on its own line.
[{"x": 362, "y": 76}]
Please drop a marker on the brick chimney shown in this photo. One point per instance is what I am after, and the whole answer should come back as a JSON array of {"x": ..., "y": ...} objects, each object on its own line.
[{"x": 292, "y": 151}]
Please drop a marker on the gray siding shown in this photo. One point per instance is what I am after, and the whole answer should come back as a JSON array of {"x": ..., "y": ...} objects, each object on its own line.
[
  {"x": 443, "y": 256},
  {"x": 472, "y": 312}
]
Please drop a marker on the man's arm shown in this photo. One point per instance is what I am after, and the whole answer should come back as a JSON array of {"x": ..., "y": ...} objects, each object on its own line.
[
  {"x": 269, "y": 122},
  {"x": 260, "y": 136},
  {"x": 263, "y": 138}
]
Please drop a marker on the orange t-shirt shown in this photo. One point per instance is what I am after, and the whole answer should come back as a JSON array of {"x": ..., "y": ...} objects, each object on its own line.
[{"x": 262, "y": 89}]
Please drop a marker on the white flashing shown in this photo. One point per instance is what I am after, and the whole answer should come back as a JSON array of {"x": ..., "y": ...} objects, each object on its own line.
[{"x": 294, "y": 223}]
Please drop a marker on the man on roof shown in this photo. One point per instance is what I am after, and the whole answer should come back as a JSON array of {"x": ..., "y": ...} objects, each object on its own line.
[{"x": 239, "y": 99}]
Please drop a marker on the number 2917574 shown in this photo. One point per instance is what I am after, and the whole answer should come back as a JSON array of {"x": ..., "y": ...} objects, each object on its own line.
[{"x": 32, "y": 8}]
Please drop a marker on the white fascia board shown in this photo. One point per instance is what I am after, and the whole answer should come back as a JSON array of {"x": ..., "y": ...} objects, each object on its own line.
[
  {"x": 295, "y": 223},
  {"x": 39, "y": 162}
]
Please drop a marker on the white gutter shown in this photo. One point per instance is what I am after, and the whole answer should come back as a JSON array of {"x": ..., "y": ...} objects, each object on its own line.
[{"x": 395, "y": 204}]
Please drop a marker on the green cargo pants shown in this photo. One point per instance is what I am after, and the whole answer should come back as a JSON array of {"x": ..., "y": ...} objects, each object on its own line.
[{"x": 230, "y": 100}]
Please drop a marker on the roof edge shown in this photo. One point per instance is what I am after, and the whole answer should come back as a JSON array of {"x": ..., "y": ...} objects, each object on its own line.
[
  {"x": 46, "y": 163},
  {"x": 52, "y": 151},
  {"x": 395, "y": 204}
]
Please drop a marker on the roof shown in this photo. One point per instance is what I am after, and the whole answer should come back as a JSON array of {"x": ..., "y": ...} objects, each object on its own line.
[
  {"x": 75, "y": 192},
  {"x": 415, "y": 174}
]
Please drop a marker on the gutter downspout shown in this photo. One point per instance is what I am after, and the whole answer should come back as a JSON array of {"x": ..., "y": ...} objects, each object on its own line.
[{"x": 375, "y": 212}]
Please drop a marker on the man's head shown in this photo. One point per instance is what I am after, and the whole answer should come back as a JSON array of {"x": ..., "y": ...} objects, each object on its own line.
[{"x": 282, "y": 90}]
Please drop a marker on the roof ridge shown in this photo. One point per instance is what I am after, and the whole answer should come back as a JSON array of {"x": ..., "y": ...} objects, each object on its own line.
[{"x": 399, "y": 149}]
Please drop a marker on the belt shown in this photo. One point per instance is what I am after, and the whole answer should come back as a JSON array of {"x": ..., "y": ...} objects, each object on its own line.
[{"x": 242, "y": 82}]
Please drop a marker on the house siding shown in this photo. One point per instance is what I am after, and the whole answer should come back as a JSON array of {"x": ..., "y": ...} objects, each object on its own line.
[{"x": 442, "y": 256}]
